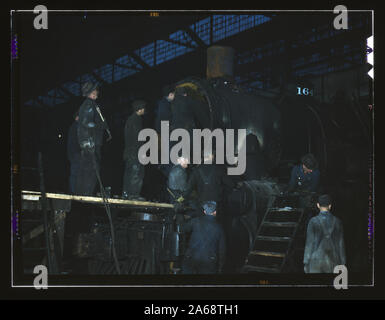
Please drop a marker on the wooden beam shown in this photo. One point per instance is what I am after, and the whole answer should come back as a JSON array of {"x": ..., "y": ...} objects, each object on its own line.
[
  {"x": 35, "y": 196},
  {"x": 268, "y": 254}
]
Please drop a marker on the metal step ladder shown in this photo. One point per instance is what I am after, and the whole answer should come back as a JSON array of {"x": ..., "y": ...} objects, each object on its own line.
[
  {"x": 273, "y": 243},
  {"x": 42, "y": 225}
]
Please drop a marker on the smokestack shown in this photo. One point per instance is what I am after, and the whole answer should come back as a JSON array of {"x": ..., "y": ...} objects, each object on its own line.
[{"x": 220, "y": 62}]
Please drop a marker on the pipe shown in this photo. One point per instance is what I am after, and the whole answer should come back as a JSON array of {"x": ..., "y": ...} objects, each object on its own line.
[{"x": 322, "y": 132}]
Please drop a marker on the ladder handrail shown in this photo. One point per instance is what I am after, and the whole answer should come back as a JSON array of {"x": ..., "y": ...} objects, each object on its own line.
[{"x": 293, "y": 237}]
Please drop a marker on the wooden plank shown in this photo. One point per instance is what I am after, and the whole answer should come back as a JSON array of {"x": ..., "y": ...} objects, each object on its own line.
[
  {"x": 33, "y": 234},
  {"x": 40, "y": 229},
  {"x": 280, "y": 224},
  {"x": 248, "y": 268},
  {"x": 275, "y": 209},
  {"x": 35, "y": 196},
  {"x": 271, "y": 238},
  {"x": 268, "y": 254}
]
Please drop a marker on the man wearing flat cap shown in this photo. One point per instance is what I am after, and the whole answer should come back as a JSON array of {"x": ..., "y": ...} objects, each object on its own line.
[
  {"x": 206, "y": 250},
  {"x": 164, "y": 107},
  {"x": 306, "y": 176},
  {"x": 305, "y": 180},
  {"x": 134, "y": 170},
  {"x": 90, "y": 132}
]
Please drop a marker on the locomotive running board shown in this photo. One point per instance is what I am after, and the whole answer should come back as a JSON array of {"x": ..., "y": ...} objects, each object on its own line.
[{"x": 35, "y": 196}]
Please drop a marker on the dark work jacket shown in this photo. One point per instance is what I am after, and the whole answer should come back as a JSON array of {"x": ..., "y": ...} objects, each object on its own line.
[
  {"x": 163, "y": 112},
  {"x": 207, "y": 240},
  {"x": 323, "y": 256},
  {"x": 90, "y": 124},
  {"x": 73, "y": 148},
  {"x": 255, "y": 162},
  {"x": 131, "y": 132},
  {"x": 255, "y": 167},
  {"x": 303, "y": 182},
  {"x": 206, "y": 179},
  {"x": 182, "y": 109},
  {"x": 178, "y": 182}
]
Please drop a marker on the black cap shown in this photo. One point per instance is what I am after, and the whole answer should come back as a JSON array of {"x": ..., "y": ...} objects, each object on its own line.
[
  {"x": 310, "y": 161},
  {"x": 88, "y": 87},
  {"x": 138, "y": 104},
  {"x": 324, "y": 200},
  {"x": 167, "y": 90},
  {"x": 209, "y": 207}
]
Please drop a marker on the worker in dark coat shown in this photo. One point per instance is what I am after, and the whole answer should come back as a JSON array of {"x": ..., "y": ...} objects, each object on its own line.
[
  {"x": 325, "y": 246},
  {"x": 164, "y": 114},
  {"x": 134, "y": 170},
  {"x": 304, "y": 180},
  {"x": 255, "y": 162},
  {"x": 180, "y": 190},
  {"x": 164, "y": 107},
  {"x": 73, "y": 152},
  {"x": 91, "y": 127},
  {"x": 178, "y": 181},
  {"x": 305, "y": 176},
  {"x": 206, "y": 180},
  {"x": 206, "y": 250}
]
